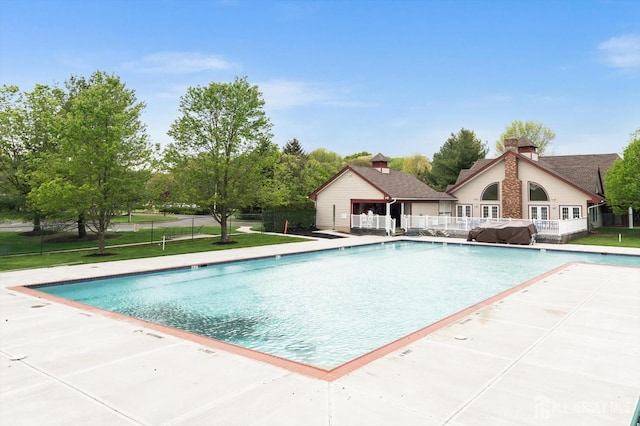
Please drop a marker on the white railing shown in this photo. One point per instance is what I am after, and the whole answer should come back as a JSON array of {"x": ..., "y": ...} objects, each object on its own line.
[
  {"x": 571, "y": 226},
  {"x": 373, "y": 221},
  {"x": 446, "y": 223}
]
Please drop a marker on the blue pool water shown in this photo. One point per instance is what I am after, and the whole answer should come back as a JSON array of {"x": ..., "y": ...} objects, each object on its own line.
[{"x": 324, "y": 308}]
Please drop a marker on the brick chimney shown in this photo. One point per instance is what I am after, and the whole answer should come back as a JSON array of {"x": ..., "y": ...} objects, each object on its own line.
[
  {"x": 511, "y": 144},
  {"x": 511, "y": 185}
]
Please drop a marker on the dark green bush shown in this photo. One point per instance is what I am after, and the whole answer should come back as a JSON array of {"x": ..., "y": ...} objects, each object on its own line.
[
  {"x": 14, "y": 203},
  {"x": 274, "y": 220}
]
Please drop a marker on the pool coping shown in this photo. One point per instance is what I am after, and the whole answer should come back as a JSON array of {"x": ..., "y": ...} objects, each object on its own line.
[{"x": 291, "y": 365}]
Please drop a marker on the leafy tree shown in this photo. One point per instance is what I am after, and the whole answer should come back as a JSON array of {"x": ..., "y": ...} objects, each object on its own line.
[
  {"x": 293, "y": 147},
  {"x": 622, "y": 180},
  {"x": 27, "y": 131},
  {"x": 396, "y": 163},
  {"x": 222, "y": 157},
  {"x": 160, "y": 189},
  {"x": 540, "y": 135},
  {"x": 416, "y": 165},
  {"x": 359, "y": 159},
  {"x": 298, "y": 179},
  {"x": 298, "y": 175},
  {"x": 459, "y": 152},
  {"x": 330, "y": 161},
  {"x": 104, "y": 152},
  {"x": 357, "y": 155}
]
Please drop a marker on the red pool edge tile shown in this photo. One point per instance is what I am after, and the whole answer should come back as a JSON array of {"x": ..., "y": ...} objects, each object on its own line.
[{"x": 297, "y": 367}]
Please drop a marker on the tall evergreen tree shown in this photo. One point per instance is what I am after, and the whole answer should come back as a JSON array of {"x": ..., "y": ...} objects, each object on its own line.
[
  {"x": 459, "y": 152},
  {"x": 293, "y": 147}
]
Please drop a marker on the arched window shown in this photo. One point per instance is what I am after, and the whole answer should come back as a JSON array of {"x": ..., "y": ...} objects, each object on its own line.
[
  {"x": 490, "y": 193},
  {"x": 537, "y": 192}
]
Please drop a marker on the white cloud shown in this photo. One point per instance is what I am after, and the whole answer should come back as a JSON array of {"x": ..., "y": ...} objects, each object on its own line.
[
  {"x": 180, "y": 63},
  {"x": 622, "y": 52},
  {"x": 283, "y": 94}
]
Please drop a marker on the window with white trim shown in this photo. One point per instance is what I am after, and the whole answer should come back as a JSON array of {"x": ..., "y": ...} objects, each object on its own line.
[
  {"x": 570, "y": 212},
  {"x": 444, "y": 208},
  {"x": 539, "y": 212},
  {"x": 537, "y": 192},
  {"x": 463, "y": 210},
  {"x": 490, "y": 210},
  {"x": 490, "y": 193}
]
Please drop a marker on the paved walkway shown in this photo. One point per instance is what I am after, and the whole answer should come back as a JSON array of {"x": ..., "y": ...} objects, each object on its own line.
[{"x": 565, "y": 350}]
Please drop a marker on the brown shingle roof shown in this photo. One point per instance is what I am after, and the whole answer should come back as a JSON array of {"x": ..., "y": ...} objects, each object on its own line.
[
  {"x": 585, "y": 171},
  {"x": 464, "y": 173},
  {"x": 400, "y": 185}
]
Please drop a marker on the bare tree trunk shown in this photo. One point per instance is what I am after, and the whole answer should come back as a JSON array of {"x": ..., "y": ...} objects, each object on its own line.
[
  {"x": 102, "y": 230},
  {"x": 224, "y": 229},
  {"x": 101, "y": 246}
]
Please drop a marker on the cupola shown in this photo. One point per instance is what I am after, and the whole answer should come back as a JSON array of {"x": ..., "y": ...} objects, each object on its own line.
[{"x": 380, "y": 163}]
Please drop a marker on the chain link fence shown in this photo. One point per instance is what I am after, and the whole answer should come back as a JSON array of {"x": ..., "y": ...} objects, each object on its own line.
[{"x": 25, "y": 238}]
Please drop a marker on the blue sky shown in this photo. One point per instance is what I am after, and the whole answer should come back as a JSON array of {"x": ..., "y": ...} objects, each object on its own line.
[{"x": 396, "y": 77}]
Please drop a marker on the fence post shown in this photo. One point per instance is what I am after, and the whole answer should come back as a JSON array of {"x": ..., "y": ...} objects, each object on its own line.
[
  {"x": 193, "y": 220},
  {"x": 152, "y": 232}
]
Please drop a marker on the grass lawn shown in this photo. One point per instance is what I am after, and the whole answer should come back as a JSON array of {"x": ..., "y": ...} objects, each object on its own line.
[
  {"x": 13, "y": 243},
  {"x": 609, "y": 237},
  {"x": 141, "y": 251}
]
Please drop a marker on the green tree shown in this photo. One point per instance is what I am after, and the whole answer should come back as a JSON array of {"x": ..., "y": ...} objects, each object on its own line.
[
  {"x": 362, "y": 159},
  {"x": 357, "y": 155},
  {"x": 222, "y": 157},
  {"x": 27, "y": 131},
  {"x": 330, "y": 161},
  {"x": 293, "y": 147},
  {"x": 622, "y": 181},
  {"x": 104, "y": 152},
  {"x": 160, "y": 190},
  {"x": 540, "y": 135},
  {"x": 297, "y": 176},
  {"x": 459, "y": 152},
  {"x": 416, "y": 165}
]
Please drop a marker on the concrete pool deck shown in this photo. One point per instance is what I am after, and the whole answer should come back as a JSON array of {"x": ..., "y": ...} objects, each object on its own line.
[{"x": 563, "y": 350}]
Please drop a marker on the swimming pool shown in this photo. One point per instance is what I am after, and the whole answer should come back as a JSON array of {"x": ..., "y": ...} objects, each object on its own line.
[{"x": 324, "y": 308}]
